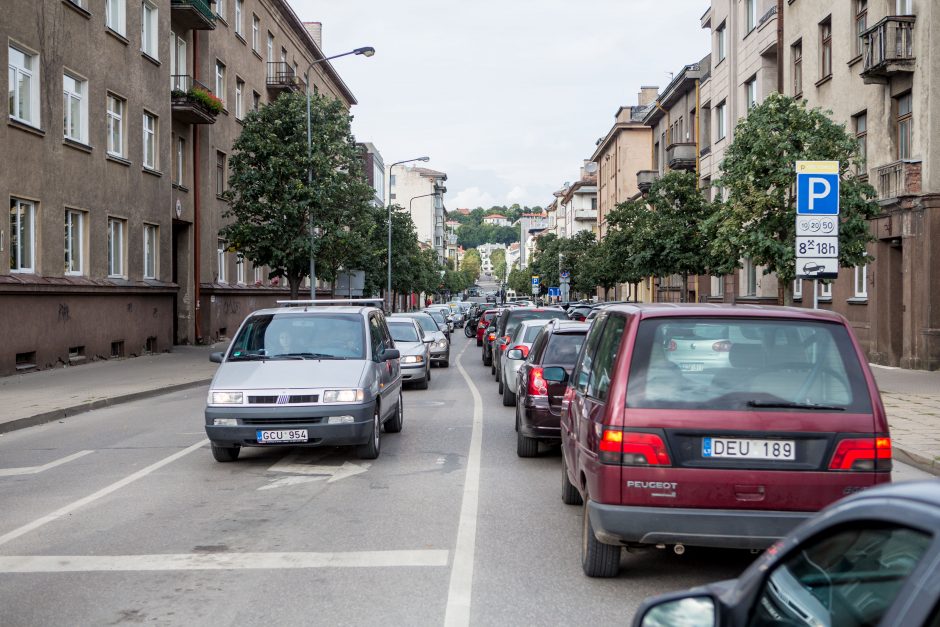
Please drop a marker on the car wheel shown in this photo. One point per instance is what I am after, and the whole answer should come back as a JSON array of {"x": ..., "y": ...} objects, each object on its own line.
[
  {"x": 429, "y": 371},
  {"x": 446, "y": 362},
  {"x": 499, "y": 390},
  {"x": 395, "y": 423},
  {"x": 423, "y": 383},
  {"x": 509, "y": 397},
  {"x": 224, "y": 453},
  {"x": 487, "y": 359},
  {"x": 372, "y": 448},
  {"x": 569, "y": 493},
  {"x": 597, "y": 559},
  {"x": 526, "y": 446}
]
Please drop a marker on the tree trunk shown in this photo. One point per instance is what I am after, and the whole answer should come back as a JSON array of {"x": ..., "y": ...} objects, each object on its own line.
[
  {"x": 294, "y": 282},
  {"x": 788, "y": 294},
  {"x": 684, "y": 296}
]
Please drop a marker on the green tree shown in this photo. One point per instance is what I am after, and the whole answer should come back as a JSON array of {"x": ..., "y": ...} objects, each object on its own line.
[
  {"x": 471, "y": 263},
  {"x": 758, "y": 220},
  {"x": 273, "y": 207},
  {"x": 520, "y": 281},
  {"x": 498, "y": 261}
]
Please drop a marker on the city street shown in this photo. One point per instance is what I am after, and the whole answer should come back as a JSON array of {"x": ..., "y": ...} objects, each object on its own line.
[{"x": 121, "y": 516}]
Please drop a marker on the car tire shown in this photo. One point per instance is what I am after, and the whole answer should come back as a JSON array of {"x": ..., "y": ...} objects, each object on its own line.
[
  {"x": 487, "y": 359},
  {"x": 526, "y": 446},
  {"x": 569, "y": 493},
  {"x": 499, "y": 389},
  {"x": 509, "y": 397},
  {"x": 597, "y": 559},
  {"x": 224, "y": 453},
  {"x": 394, "y": 424},
  {"x": 429, "y": 371},
  {"x": 423, "y": 383},
  {"x": 446, "y": 362},
  {"x": 372, "y": 448}
]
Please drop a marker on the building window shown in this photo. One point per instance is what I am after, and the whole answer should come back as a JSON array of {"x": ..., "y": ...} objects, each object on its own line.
[
  {"x": 151, "y": 248},
  {"x": 905, "y": 126},
  {"x": 220, "y": 260},
  {"x": 721, "y": 131},
  {"x": 23, "y": 86},
  {"x": 721, "y": 44},
  {"x": 219, "y": 173},
  {"x": 180, "y": 160},
  {"x": 220, "y": 80},
  {"x": 796, "y": 52},
  {"x": 239, "y": 5},
  {"x": 255, "y": 29},
  {"x": 116, "y": 247},
  {"x": 750, "y": 278},
  {"x": 861, "y": 281},
  {"x": 255, "y": 100},
  {"x": 220, "y": 8},
  {"x": 861, "y": 25},
  {"x": 798, "y": 289},
  {"x": 239, "y": 269},
  {"x": 75, "y": 107},
  {"x": 825, "y": 48},
  {"x": 825, "y": 290},
  {"x": 903, "y": 7},
  {"x": 115, "y": 126},
  {"x": 150, "y": 140},
  {"x": 178, "y": 63},
  {"x": 270, "y": 54},
  {"x": 22, "y": 235},
  {"x": 259, "y": 275},
  {"x": 750, "y": 93},
  {"x": 148, "y": 29},
  {"x": 861, "y": 134},
  {"x": 239, "y": 90},
  {"x": 751, "y": 9},
  {"x": 74, "y": 242},
  {"x": 115, "y": 15}
]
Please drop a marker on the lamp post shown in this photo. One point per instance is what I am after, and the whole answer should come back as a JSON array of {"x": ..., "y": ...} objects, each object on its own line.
[
  {"x": 388, "y": 204},
  {"x": 366, "y": 51}
]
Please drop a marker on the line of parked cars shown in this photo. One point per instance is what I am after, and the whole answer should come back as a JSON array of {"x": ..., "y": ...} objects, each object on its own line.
[{"x": 727, "y": 427}]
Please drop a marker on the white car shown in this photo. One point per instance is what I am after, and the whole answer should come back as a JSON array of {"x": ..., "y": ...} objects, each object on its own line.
[{"x": 517, "y": 350}]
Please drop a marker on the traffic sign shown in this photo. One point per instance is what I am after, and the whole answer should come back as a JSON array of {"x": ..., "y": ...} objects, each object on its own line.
[
  {"x": 554, "y": 292},
  {"x": 817, "y": 247},
  {"x": 565, "y": 274},
  {"x": 817, "y": 268},
  {"x": 811, "y": 225},
  {"x": 817, "y": 188},
  {"x": 535, "y": 280}
]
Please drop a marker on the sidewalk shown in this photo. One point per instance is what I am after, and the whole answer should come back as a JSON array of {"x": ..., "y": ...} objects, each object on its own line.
[{"x": 911, "y": 397}]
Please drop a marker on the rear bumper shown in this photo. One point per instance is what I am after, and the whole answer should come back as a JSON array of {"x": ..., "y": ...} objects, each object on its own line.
[
  {"x": 722, "y": 528},
  {"x": 537, "y": 421}
]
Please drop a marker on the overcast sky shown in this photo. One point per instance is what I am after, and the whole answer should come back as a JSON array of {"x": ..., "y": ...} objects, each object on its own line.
[{"x": 506, "y": 96}]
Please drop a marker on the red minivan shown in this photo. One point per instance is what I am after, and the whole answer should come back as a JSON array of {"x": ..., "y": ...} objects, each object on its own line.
[{"x": 714, "y": 425}]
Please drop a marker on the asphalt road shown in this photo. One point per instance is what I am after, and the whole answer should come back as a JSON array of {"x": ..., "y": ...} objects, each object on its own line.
[{"x": 120, "y": 516}]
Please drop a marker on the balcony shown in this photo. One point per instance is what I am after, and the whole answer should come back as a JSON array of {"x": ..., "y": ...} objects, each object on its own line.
[
  {"x": 901, "y": 178},
  {"x": 193, "y": 14},
  {"x": 681, "y": 156},
  {"x": 585, "y": 215},
  {"x": 281, "y": 77},
  {"x": 192, "y": 102},
  {"x": 889, "y": 49},
  {"x": 645, "y": 180}
]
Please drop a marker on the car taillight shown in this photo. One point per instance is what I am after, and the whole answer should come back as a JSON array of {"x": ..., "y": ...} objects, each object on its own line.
[
  {"x": 504, "y": 342},
  {"x": 672, "y": 345},
  {"x": 523, "y": 348},
  {"x": 481, "y": 325},
  {"x": 723, "y": 346},
  {"x": 862, "y": 454},
  {"x": 537, "y": 385},
  {"x": 491, "y": 337},
  {"x": 633, "y": 449}
]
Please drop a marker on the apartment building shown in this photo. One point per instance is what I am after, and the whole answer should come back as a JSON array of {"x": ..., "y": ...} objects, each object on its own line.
[
  {"x": 871, "y": 63},
  {"x": 112, "y": 245},
  {"x": 374, "y": 169},
  {"x": 486, "y": 250},
  {"x": 530, "y": 225},
  {"x": 421, "y": 191},
  {"x": 577, "y": 203}
]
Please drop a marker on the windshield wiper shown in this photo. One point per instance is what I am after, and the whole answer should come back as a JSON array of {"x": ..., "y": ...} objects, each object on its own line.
[
  {"x": 310, "y": 356},
  {"x": 792, "y": 405},
  {"x": 248, "y": 357}
]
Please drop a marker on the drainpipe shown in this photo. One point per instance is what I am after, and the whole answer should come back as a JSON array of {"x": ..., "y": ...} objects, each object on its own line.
[
  {"x": 196, "y": 216},
  {"x": 780, "y": 57},
  {"x": 698, "y": 121}
]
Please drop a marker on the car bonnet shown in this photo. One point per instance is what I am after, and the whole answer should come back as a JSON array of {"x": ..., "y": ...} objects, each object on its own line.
[{"x": 289, "y": 373}]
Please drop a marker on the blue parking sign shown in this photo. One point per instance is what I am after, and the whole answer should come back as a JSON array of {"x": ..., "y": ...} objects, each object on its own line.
[
  {"x": 535, "y": 280},
  {"x": 817, "y": 194}
]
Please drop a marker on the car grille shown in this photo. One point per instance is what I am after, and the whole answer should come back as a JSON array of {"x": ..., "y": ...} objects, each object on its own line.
[
  {"x": 285, "y": 399},
  {"x": 261, "y": 422}
]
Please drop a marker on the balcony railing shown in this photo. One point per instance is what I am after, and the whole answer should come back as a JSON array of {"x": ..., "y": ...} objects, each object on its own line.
[
  {"x": 281, "y": 77},
  {"x": 194, "y": 14},
  {"x": 192, "y": 102},
  {"x": 681, "y": 156},
  {"x": 901, "y": 178},
  {"x": 889, "y": 48},
  {"x": 645, "y": 180},
  {"x": 772, "y": 11},
  {"x": 585, "y": 214}
]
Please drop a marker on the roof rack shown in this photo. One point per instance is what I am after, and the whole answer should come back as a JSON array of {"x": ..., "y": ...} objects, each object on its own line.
[{"x": 337, "y": 301}]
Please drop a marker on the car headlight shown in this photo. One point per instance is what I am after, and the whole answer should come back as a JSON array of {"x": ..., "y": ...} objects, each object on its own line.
[
  {"x": 343, "y": 396},
  {"x": 226, "y": 398},
  {"x": 441, "y": 344},
  {"x": 412, "y": 359}
]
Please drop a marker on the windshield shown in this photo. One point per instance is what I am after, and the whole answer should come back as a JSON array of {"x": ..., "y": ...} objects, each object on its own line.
[
  {"x": 438, "y": 318},
  {"x": 745, "y": 364},
  {"x": 403, "y": 331},
  {"x": 426, "y": 322},
  {"x": 299, "y": 336}
]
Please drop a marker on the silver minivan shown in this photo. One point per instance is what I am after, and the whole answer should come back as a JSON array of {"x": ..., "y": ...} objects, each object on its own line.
[{"x": 306, "y": 375}]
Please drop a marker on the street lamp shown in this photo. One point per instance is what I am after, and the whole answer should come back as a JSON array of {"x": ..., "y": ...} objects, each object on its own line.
[
  {"x": 366, "y": 51},
  {"x": 388, "y": 204}
]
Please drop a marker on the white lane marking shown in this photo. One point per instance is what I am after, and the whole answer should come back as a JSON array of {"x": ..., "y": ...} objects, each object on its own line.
[
  {"x": 32, "y": 470},
  {"x": 219, "y": 561},
  {"x": 460, "y": 591},
  {"x": 289, "y": 481},
  {"x": 117, "y": 485},
  {"x": 290, "y": 463}
]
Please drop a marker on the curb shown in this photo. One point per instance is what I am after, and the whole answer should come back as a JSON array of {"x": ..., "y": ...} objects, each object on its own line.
[
  {"x": 65, "y": 412},
  {"x": 917, "y": 460}
]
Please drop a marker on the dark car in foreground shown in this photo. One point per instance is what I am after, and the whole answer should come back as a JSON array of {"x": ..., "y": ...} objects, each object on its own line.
[
  {"x": 870, "y": 559},
  {"x": 731, "y": 457}
]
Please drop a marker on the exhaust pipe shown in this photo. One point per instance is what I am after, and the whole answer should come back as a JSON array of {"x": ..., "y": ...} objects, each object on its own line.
[{"x": 679, "y": 549}]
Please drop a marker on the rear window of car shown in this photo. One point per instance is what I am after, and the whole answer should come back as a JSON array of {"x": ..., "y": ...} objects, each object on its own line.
[
  {"x": 438, "y": 318},
  {"x": 403, "y": 331},
  {"x": 286, "y": 336},
  {"x": 427, "y": 323},
  {"x": 531, "y": 332},
  {"x": 746, "y": 364},
  {"x": 563, "y": 348},
  {"x": 517, "y": 317}
]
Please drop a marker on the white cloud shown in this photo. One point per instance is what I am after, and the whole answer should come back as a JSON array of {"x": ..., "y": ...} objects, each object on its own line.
[
  {"x": 471, "y": 198},
  {"x": 516, "y": 194}
]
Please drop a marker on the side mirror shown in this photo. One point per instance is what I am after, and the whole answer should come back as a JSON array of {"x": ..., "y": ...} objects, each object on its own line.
[
  {"x": 514, "y": 354},
  {"x": 389, "y": 354},
  {"x": 216, "y": 358},
  {"x": 428, "y": 339},
  {"x": 689, "y": 610},
  {"x": 555, "y": 374}
]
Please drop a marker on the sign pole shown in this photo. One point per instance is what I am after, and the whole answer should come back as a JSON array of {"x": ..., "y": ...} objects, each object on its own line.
[{"x": 815, "y": 293}]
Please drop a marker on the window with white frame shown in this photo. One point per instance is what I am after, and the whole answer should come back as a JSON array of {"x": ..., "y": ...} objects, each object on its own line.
[
  {"x": 239, "y": 269},
  {"x": 74, "y": 242},
  {"x": 220, "y": 8},
  {"x": 22, "y": 235},
  {"x": 23, "y": 85},
  {"x": 220, "y": 261},
  {"x": 75, "y": 107},
  {"x": 180, "y": 160},
  {"x": 149, "y": 34},
  {"x": 255, "y": 100},
  {"x": 220, "y": 80},
  {"x": 116, "y": 247},
  {"x": 178, "y": 63},
  {"x": 270, "y": 55},
  {"x": 750, "y": 93},
  {"x": 115, "y": 16},
  {"x": 751, "y": 8},
  {"x": 239, "y": 92},
  {"x": 151, "y": 249},
  {"x": 116, "y": 125},
  {"x": 796, "y": 54},
  {"x": 903, "y": 7},
  {"x": 239, "y": 10},
  {"x": 861, "y": 25},
  {"x": 825, "y": 289},
  {"x": 150, "y": 140},
  {"x": 255, "y": 29},
  {"x": 721, "y": 41},
  {"x": 750, "y": 278},
  {"x": 798, "y": 289},
  {"x": 259, "y": 275},
  {"x": 825, "y": 48},
  {"x": 861, "y": 281},
  {"x": 720, "y": 129},
  {"x": 905, "y": 125}
]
